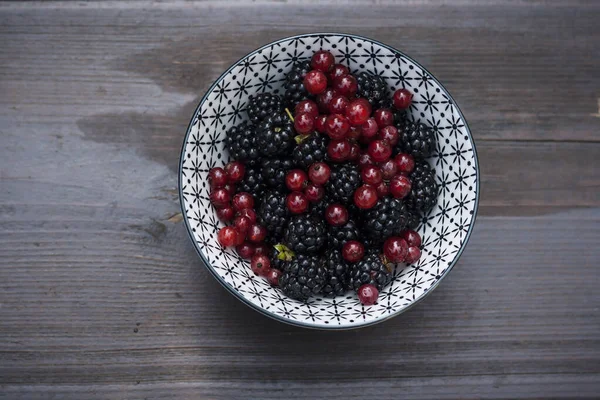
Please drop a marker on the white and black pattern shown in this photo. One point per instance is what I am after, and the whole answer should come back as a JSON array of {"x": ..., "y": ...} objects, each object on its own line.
[{"x": 444, "y": 230}]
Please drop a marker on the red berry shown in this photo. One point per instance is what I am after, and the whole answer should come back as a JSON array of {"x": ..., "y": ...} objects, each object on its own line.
[
  {"x": 339, "y": 150},
  {"x": 245, "y": 250},
  {"x": 338, "y": 104},
  {"x": 368, "y": 294},
  {"x": 384, "y": 117},
  {"x": 220, "y": 198},
  {"x": 273, "y": 276},
  {"x": 400, "y": 186},
  {"x": 371, "y": 175},
  {"x": 304, "y": 123},
  {"x": 389, "y": 169},
  {"x": 354, "y": 152},
  {"x": 411, "y": 237},
  {"x": 296, "y": 202},
  {"x": 322, "y": 60},
  {"x": 248, "y": 213},
  {"x": 230, "y": 188},
  {"x": 242, "y": 224},
  {"x": 235, "y": 171},
  {"x": 324, "y": 99},
  {"x": 383, "y": 189},
  {"x": 320, "y": 123},
  {"x": 296, "y": 179},
  {"x": 337, "y": 71},
  {"x": 380, "y": 150},
  {"x": 369, "y": 129},
  {"x": 346, "y": 85},
  {"x": 405, "y": 163},
  {"x": 217, "y": 177},
  {"x": 358, "y": 111},
  {"x": 337, "y": 126},
  {"x": 227, "y": 236},
  {"x": 353, "y": 251},
  {"x": 395, "y": 249},
  {"x": 365, "y": 159},
  {"x": 402, "y": 98},
  {"x": 313, "y": 192},
  {"x": 242, "y": 200},
  {"x": 260, "y": 265},
  {"x": 365, "y": 197},
  {"x": 225, "y": 214},
  {"x": 336, "y": 215},
  {"x": 315, "y": 82},
  {"x": 262, "y": 248},
  {"x": 412, "y": 255},
  {"x": 389, "y": 133},
  {"x": 354, "y": 133},
  {"x": 319, "y": 173},
  {"x": 307, "y": 107},
  {"x": 257, "y": 233}
]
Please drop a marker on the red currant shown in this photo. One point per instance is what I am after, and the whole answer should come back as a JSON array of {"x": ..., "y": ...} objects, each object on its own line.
[
  {"x": 319, "y": 173},
  {"x": 225, "y": 214},
  {"x": 313, "y": 192},
  {"x": 320, "y": 123},
  {"x": 402, "y": 98},
  {"x": 384, "y": 117},
  {"x": 230, "y": 188},
  {"x": 322, "y": 60},
  {"x": 395, "y": 249},
  {"x": 346, "y": 85},
  {"x": 383, "y": 189},
  {"x": 273, "y": 276},
  {"x": 371, "y": 175},
  {"x": 365, "y": 197},
  {"x": 411, "y": 237},
  {"x": 304, "y": 123},
  {"x": 235, "y": 171},
  {"x": 354, "y": 133},
  {"x": 307, "y": 107},
  {"x": 315, "y": 82},
  {"x": 296, "y": 202},
  {"x": 389, "y": 169},
  {"x": 412, "y": 255},
  {"x": 405, "y": 163},
  {"x": 245, "y": 250},
  {"x": 242, "y": 224},
  {"x": 358, "y": 111},
  {"x": 380, "y": 150},
  {"x": 324, "y": 99},
  {"x": 217, "y": 177},
  {"x": 354, "y": 152},
  {"x": 262, "y": 248},
  {"x": 336, "y": 215},
  {"x": 220, "y": 198},
  {"x": 353, "y": 251},
  {"x": 338, "y": 104},
  {"x": 389, "y": 133},
  {"x": 296, "y": 179},
  {"x": 368, "y": 294},
  {"x": 337, "y": 71},
  {"x": 400, "y": 186},
  {"x": 365, "y": 159},
  {"x": 248, "y": 213},
  {"x": 339, "y": 150},
  {"x": 242, "y": 200},
  {"x": 227, "y": 236},
  {"x": 260, "y": 265},
  {"x": 337, "y": 126},
  {"x": 257, "y": 233}
]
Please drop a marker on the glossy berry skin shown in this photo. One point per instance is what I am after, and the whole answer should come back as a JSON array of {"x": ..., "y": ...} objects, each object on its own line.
[
  {"x": 324, "y": 99},
  {"x": 260, "y": 265},
  {"x": 412, "y": 255},
  {"x": 314, "y": 193},
  {"x": 353, "y": 251},
  {"x": 242, "y": 200},
  {"x": 320, "y": 123},
  {"x": 371, "y": 175},
  {"x": 405, "y": 163},
  {"x": 358, "y": 112},
  {"x": 322, "y": 60},
  {"x": 220, "y": 198},
  {"x": 395, "y": 249},
  {"x": 380, "y": 150},
  {"x": 319, "y": 173},
  {"x": 384, "y": 117},
  {"x": 273, "y": 276},
  {"x": 389, "y": 169},
  {"x": 225, "y": 214},
  {"x": 262, "y": 248},
  {"x": 354, "y": 133},
  {"x": 339, "y": 150},
  {"x": 337, "y": 71},
  {"x": 400, "y": 186},
  {"x": 338, "y": 104},
  {"x": 354, "y": 152},
  {"x": 389, "y": 133},
  {"x": 242, "y": 224},
  {"x": 364, "y": 160},
  {"x": 402, "y": 99},
  {"x": 336, "y": 126},
  {"x": 304, "y": 123},
  {"x": 315, "y": 82},
  {"x": 365, "y": 197},
  {"x": 227, "y": 236},
  {"x": 296, "y": 179},
  {"x": 307, "y": 107},
  {"x": 369, "y": 130},
  {"x": 217, "y": 177},
  {"x": 411, "y": 237},
  {"x": 336, "y": 215},
  {"x": 245, "y": 250},
  {"x": 257, "y": 233},
  {"x": 296, "y": 202},
  {"x": 383, "y": 189},
  {"x": 346, "y": 85},
  {"x": 248, "y": 213},
  {"x": 235, "y": 171},
  {"x": 230, "y": 188},
  {"x": 368, "y": 294}
]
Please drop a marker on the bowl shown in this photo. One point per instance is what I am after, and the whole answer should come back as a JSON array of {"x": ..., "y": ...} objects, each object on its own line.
[{"x": 445, "y": 230}]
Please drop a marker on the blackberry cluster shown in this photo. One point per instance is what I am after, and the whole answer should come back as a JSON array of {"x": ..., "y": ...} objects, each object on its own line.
[
  {"x": 342, "y": 183},
  {"x": 273, "y": 214},
  {"x": 295, "y": 91},
  {"x": 417, "y": 139},
  {"x": 373, "y": 88},
  {"x": 387, "y": 218},
  {"x": 263, "y": 105},
  {"x": 274, "y": 171},
  {"x": 424, "y": 188},
  {"x": 336, "y": 274},
  {"x": 275, "y": 136},
  {"x": 252, "y": 183},
  {"x": 305, "y": 234},
  {"x": 303, "y": 277},
  {"x": 338, "y": 235},
  {"x": 311, "y": 150},
  {"x": 241, "y": 143},
  {"x": 370, "y": 270}
]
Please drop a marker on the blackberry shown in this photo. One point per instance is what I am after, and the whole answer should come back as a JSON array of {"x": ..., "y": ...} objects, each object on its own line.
[
  {"x": 273, "y": 214},
  {"x": 274, "y": 171},
  {"x": 305, "y": 234},
  {"x": 416, "y": 139},
  {"x": 311, "y": 150},
  {"x": 338, "y": 235},
  {"x": 303, "y": 277},
  {"x": 424, "y": 188},
  {"x": 342, "y": 183},
  {"x": 336, "y": 276},
  {"x": 373, "y": 88},
  {"x": 387, "y": 218},
  {"x": 252, "y": 183},
  {"x": 294, "y": 88},
  {"x": 370, "y": 269},
  {"x": 318, "y": 209},
  {"x": 263, "y": 105},
  {"x": 275, "y": 135},
  {"x": 413, "y": 220},
  {"x": 280, "y": 257},
  {"x": 241, "y": 143}
]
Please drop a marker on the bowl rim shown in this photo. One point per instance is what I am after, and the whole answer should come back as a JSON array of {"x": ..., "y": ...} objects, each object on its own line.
[{"x": 307, "y": 324}]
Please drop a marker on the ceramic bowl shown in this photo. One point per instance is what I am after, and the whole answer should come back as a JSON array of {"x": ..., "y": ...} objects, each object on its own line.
[{"x": 445, "y": 230}]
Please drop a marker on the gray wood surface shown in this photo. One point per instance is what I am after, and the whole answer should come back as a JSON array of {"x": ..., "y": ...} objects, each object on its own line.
[{"x": 103, "y": 296}]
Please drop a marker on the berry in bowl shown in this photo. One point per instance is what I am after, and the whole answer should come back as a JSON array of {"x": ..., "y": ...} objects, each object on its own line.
[{"x": 328, "y": 181}]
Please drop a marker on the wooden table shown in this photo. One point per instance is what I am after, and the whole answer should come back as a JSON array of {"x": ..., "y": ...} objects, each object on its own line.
[{"x": 103, "y": 296}]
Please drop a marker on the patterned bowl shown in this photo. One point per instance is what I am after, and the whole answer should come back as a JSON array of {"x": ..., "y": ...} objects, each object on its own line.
[{"x": 445, "y": 230}]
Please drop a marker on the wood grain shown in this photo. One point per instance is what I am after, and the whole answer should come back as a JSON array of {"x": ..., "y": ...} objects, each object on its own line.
[{"x": 103, "y": 296}]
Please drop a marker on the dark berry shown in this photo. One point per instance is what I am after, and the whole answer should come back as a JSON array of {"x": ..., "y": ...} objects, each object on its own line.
[
  {"x": 365, "y": 197},
  {"x": 424, "y": 188},
  {"x": 241, "y": 143},
  {"x": 337, "y": 71},
  {"x": 304, "y": 123},
  {"x": 257, "y": 233},
  {"x": 307, "y": 107},
  {"x": 389, "y": 134},
  {"x": 311, "y": 150},
  {"x": 383, "y": 117},
  {"x": 404, "y": 162},
  {"x": 220, "y": 198},
  {"x": 225, "y": 214},
  {"x": 303, "y": 277},
  {"x": 372, "y": 87},
  {"x": 273, "y": 214},
  {"x": 370, "y": 270},
  {"x": 395, "y": 249},
  {"x": 353, "y": 251},
  {"x": 380, "y": 150},
  {"x": 217, "y": 177},
  {"x": 274, "y": 171},
  {"x": 305, "y": 234},
  {"x": 338, "y": 235},
  {"x": 411, "y": 237},
  {"x": 263, "y": 105},
  {"x": 296, "y": 202},
  {"x": 412, "y": 255},
  {"x": 260, "y": 265},
  {"x": 336, "y": 277},
  {"x": 358, "y": 111},
  {"x": 368, "y": 294},
  {"x": 389, "y": 169},
  {"x": 339, "y": 150},
  {"x": 338, "y": 104},
  {"x": 371, "y": 175},
  {"x": 235, "y": 171},
  {"x": 324, "y": 99},
  {"x": 315, "y": 82},
  {"x": 322, "y": 60},
  {"x": 294, "y": 88},
  {"x": 273, "y": 276},
  {"x": 336, "y": 215},
  {"x": 402, "y": 99},
  {"x": 296, "y": 179},
  {"x": 346, "y": 85},
  {"x": 336, "y": 126},
  {"x": 275, "y": 135},
  {"x": 242, "y": 200},
  {"x": 227, "y": 236},
  {"x": 314, "y": 193},
  {"x": 342, "y": 183},
  {"x": 387, "y": 218},
  {"x": 319, "y": 173},
  {"x": 245, "y": 250},
  {"x": 417, "y": 139},
  {"x": 400, "y": 186}
]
